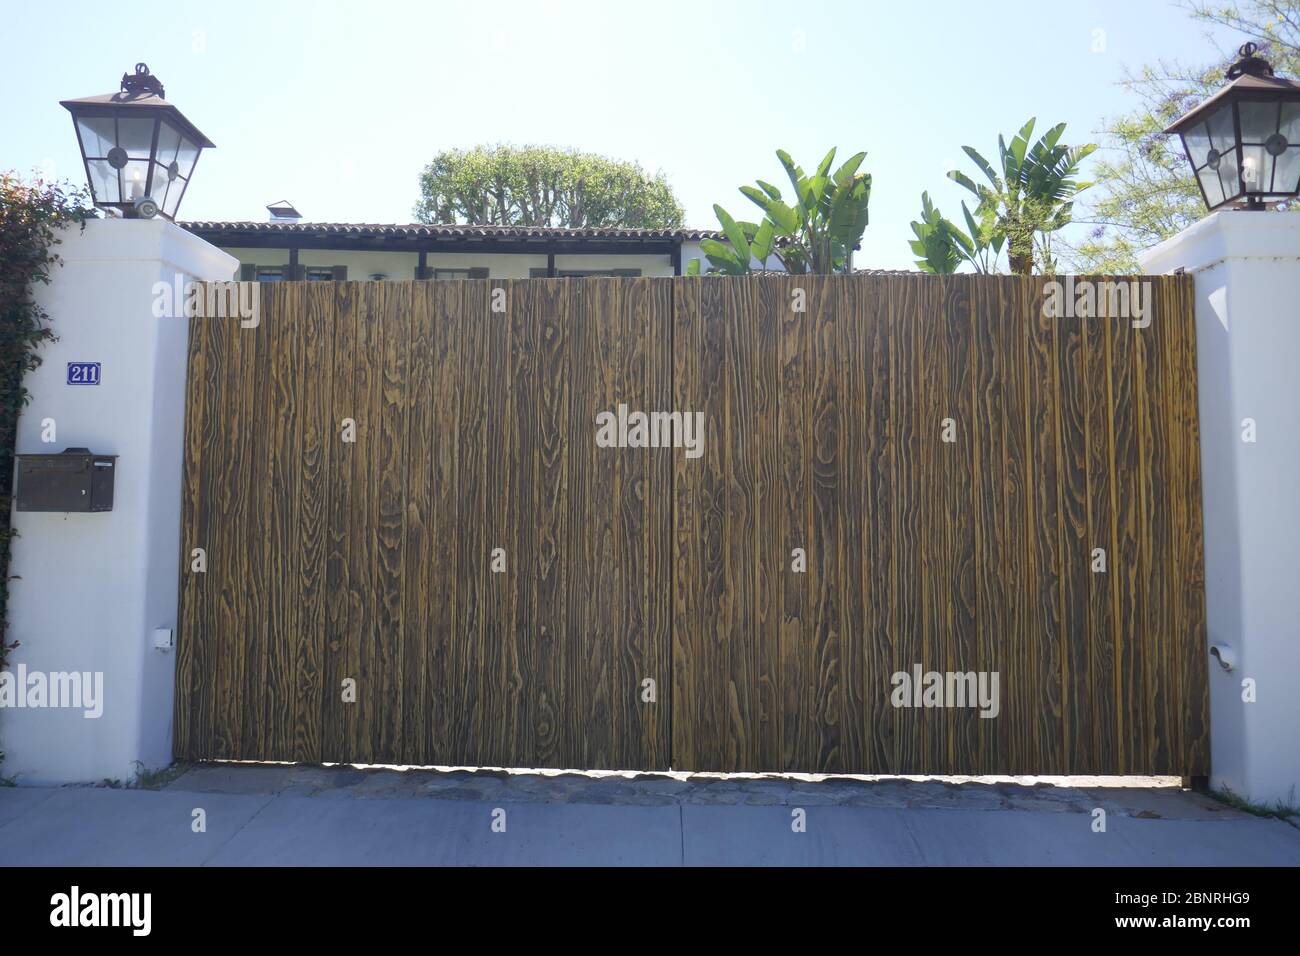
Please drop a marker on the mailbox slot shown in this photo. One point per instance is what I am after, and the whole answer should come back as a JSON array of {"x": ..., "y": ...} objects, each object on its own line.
[{"x": 73, "y": 480}]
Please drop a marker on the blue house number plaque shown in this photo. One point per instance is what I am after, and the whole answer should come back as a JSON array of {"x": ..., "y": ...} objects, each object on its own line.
[{"x": 83, "y": 373}]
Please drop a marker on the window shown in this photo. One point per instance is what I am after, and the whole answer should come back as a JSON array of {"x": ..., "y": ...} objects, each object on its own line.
[
  {"x": 255, "y": 273},
  {"x": 325, "y": 273},
  {"x": 586, "y": 273},
  {"x": 473, "y": 272}
]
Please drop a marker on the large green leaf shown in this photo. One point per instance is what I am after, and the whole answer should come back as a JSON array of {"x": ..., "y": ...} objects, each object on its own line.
[
  {"x": 1021, "y": 142},
  {"x": 850, "y": 168},
  {"x": 785, "y": 218},
  {"x": 794, "y": 172},
  {"x": 763, "y": 242},
  {"x": 848, "y": 215},
  {"x": 723, "y": 257},
  {"x": 985, "y": 167},
  {"x": 759, "y": 198},
  {"x": 817, "y": 186},
  {"x": 958, "y": 176},
  {"x": 824, "y": 167},
  {"x": 735, "y": 235}
]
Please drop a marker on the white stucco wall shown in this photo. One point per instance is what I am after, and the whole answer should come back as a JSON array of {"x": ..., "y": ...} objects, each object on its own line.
[
  {"x": 401, "y": 265},
  {"x": 89, "y": 589},
  {"x": 1246, "y": 267},
  {"x": 691, "y": 250}
]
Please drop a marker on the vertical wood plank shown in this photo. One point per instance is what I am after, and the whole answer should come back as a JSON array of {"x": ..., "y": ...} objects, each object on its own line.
[
  {"x": 1102, "y": 744},
  {"x": 740, "y": 332},
  {"x": 852, "y": 331},
  {"x": 475, "y": 582},
  {"x": 519, "y": 669},
  {"x": 936, "y": 566},
  {"x": 907, "y": 312},
  {"x": 551, "y": 722},
  {"x": 877, "y": 533},
  {"x": 1046, "y": 627},
  {"x": 238, "y": 539},
  {"x": 284, "y": 452},
  {"x": 1190, "y": 632},
  {"x": 314, "y": 395},
  {"x": 187, "y": 739},
  {"x": 655, "y": 743},
  {"x": 1075, "y": 557},
  {"x": 989, "y": 467},
  {"x": 687, "y": 696},
  {"x": 420, "y": 548},
  {"x": 446, "y": 666},
  {"x": 336, "y": 716}
]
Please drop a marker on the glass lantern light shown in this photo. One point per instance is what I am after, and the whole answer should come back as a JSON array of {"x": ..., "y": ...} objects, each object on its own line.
[
  {"x": 1244, "y": 141},
  {"x": 139, "y": 150}
]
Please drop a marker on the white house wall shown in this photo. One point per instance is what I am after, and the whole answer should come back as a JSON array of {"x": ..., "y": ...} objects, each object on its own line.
[{"x": 401, "y": 265}]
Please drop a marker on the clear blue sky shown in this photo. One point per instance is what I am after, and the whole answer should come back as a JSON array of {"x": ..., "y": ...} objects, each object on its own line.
[{"x": 337, "y": 106}]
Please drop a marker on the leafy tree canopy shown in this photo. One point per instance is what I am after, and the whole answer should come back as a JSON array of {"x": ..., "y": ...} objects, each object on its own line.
[{"x": 543, "y": 186}]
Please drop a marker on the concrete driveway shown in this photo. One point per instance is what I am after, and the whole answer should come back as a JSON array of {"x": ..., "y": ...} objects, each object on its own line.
[{"x": 278, "y": 815}]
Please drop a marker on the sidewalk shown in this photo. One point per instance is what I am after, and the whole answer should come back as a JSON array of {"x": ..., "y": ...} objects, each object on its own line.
[{"x": 344, "y": 816}]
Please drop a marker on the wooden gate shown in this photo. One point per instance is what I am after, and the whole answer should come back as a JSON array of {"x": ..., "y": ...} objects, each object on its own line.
[
  {"x": 900, "y": 475},
  {"x": 1072, "y": 442},
  {"x": 372, "y": 560}
]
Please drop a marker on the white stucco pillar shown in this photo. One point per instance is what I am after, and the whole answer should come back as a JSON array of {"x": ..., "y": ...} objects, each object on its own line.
[
  {"x": 90, "y": 588},
  {"x": 1246, "y": 267}
]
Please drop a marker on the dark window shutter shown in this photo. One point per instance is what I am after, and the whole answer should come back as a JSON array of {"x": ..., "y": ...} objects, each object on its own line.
[
  {"x": 478, "y": 273},
  {"x": 340, "y": 273},
  {"x": 538, "y": 273},
  {"x": 247, "y": 273}
]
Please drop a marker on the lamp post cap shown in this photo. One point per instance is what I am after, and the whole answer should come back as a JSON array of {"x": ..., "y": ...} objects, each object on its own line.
[{"x": 1249, "y": 64}]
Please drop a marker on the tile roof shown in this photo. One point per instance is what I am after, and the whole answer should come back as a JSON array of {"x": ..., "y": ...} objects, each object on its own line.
[{"x": 443, "y": 231}]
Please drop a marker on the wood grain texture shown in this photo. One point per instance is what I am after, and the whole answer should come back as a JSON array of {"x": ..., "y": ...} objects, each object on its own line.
[
  {"x": 371, "y": 560},
  {"x": 967, "y": 555},
  {"x": 825, "y": 400}
]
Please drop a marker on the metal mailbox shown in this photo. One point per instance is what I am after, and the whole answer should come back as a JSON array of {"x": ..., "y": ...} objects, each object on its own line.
[{"x": 73, "y": 480}]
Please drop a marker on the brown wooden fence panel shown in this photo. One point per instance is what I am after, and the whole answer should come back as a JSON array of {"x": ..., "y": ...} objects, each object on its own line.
[
  {"x": 371, "y": 560},
  {"x": 975, "y": 555},
  {"x": 825, "y": 401}
]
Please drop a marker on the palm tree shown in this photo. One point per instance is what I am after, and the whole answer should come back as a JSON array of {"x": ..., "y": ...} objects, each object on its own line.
[{"x": 1032, "y": 195}]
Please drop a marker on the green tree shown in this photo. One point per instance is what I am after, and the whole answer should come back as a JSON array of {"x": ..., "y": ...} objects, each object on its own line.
[
  {"x": 1146, "y": 192},
  {"x": 543, "y": 186},
  {"x": 816, "y": 232},
  {"x": 1030, "y": 194}
]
